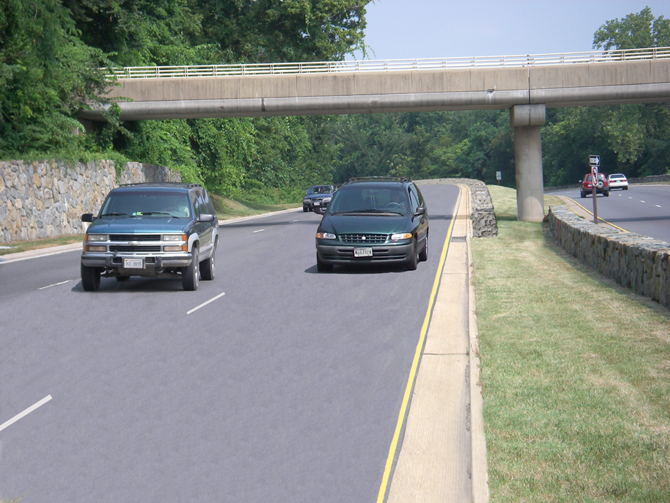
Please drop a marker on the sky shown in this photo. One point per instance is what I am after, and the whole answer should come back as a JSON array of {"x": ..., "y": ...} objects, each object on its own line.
[{"x": 414, "y": 29}]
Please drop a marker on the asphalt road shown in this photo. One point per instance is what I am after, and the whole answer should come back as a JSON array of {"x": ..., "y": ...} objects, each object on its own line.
[
  {"x": 642, "y": 209},
  {"x": 281, "y": 384}
]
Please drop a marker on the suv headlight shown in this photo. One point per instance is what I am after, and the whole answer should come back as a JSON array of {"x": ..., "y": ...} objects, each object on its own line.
[
  {"x": 174, "y": 237},
  {"x": 327, "y": 199},
  {"x": 96, "y": 237},
  {"x": 325, "y": 235}
]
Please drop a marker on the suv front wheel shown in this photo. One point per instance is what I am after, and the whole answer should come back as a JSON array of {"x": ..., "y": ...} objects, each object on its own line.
[
  {"x": 90, "y": 278},
  {"x": 190, "y": 275}
]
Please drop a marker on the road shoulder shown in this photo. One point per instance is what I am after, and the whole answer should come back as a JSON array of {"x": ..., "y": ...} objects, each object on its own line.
[{"x": 443, "y": 454}]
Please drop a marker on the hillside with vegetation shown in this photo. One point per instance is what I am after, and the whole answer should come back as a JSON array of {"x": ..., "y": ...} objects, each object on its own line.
[{"x": 54, "y": 55}]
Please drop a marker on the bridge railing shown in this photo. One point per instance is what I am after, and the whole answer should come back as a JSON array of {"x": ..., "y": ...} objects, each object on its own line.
[{"x": 143, "y": 72}]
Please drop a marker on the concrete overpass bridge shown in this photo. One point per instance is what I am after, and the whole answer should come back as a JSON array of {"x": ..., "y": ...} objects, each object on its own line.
[{"x": 525, "y": 85}]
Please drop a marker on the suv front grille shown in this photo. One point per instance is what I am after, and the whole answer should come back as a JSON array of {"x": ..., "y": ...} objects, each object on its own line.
[
  {"x": 364, "y": 238},
  {"x": 132, "y": 249},
  {"x": 134, "y": 237}
]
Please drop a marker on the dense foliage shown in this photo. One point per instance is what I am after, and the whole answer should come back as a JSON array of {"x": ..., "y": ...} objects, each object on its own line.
[{"x": 51, "y": 52}]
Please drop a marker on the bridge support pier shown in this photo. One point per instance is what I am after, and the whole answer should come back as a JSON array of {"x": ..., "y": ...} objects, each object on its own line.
[{"x": 527, "y": 121}]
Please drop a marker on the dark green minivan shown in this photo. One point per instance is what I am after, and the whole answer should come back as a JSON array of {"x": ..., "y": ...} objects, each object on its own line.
[{"x": 374, "y": 221}]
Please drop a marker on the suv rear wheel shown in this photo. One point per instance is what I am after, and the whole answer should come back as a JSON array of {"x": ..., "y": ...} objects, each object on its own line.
[
  {"x": 208, "y": 267},
  {"x": 190, "y": 275}
]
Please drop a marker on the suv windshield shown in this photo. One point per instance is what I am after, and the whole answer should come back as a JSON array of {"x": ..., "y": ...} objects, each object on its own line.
[
  {"x": 358, "y": 199},
  {"x": 150, "y": 203}
]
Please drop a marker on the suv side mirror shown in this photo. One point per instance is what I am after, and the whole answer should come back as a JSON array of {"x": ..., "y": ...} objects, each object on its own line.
[
  {"x": 206, "y": 217},
  {"x": 87, "y": 217}
]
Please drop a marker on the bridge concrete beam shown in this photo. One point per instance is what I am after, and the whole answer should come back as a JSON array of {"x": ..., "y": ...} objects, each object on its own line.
[{"x": 527, "y": 122}]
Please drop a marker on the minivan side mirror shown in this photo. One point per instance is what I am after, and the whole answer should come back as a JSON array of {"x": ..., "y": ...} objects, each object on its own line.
[
  {"x": 420, "y": 211},
  {"x": 87, "y": 217}
]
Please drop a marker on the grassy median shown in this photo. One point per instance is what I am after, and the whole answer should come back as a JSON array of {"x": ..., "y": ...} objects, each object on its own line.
[{"x": 575, "y": 372}]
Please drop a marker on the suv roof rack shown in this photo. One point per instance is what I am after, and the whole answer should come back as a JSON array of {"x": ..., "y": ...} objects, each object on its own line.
[
  {"x": 180, "y": 184},
  {"x": 379, "y": 179}
]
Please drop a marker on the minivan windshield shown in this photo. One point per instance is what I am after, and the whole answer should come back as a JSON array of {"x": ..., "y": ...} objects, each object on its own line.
[
  {"x": 150, "y": 203},
  {"x": 360, "y": 199}
]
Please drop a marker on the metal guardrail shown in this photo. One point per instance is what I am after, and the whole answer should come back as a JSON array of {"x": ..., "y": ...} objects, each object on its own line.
[{"x": 143, "y": 72}]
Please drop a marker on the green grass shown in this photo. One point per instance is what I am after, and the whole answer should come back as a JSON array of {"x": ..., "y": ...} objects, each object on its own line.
[
  {"x": 575, "y": 373},
  {"x": 235, "y": 208},
  {"x": 20, "y": 246}
]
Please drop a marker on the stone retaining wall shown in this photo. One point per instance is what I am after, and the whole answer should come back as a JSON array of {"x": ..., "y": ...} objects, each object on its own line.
[
  {"x": 484, "y": 223},
  {"x": 633, "y": 261},
  {"x": 45, "y": 199}
]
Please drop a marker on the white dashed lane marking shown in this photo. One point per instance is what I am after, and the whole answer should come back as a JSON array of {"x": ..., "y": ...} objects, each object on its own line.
[
  {"x": 205, "y": 303},
  {"x": 25, "y": 412},
  {"x": 55, "y": 284}
]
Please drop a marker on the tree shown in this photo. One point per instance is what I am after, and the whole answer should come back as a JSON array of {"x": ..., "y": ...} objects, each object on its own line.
[
  {"x": 138, "y": 32},
  {"x": 633, "y": 31},
  {"x": 47, "y": 75},
  {"x": 282, "y": 30}
]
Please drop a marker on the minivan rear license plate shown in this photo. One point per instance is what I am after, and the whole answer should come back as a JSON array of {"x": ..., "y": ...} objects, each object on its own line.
[
  {"x": 362, "y": 252},
  {"x": 133, "y": 263}
]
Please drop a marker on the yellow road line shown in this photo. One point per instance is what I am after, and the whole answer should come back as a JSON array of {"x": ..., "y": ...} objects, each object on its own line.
[
  {"x": 417, "y": 357},
  {"x": 591, "y": 213}
]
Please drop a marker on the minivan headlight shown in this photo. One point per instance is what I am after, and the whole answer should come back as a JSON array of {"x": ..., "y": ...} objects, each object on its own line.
[
  {"x": 325, "y": 235},
  {"x": 401, "y": 236}
]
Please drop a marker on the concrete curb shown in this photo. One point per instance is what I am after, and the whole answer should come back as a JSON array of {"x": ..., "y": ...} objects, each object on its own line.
[
  {"x": 480, "y": 478},
  {"x": 40, "y": 252}
]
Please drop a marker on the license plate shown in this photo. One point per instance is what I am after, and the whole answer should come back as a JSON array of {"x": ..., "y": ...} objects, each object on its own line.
[
  {"x": 133, "y": 263},
  {"x": 362, "y": 252},
  {"x": 317, "y": 203}
]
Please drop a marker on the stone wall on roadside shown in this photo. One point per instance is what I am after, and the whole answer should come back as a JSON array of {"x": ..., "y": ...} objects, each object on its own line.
[
  {"x": 633, "y": 261},
  {"x": 44, "y": 199},
  {"x": 484, "y": 223}
]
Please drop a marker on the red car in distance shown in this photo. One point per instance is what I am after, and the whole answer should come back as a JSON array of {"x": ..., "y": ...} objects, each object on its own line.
[{"x": 602, "y": 187}]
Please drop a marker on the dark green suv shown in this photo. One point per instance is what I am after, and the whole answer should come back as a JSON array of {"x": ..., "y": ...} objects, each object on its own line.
[
  {"x": 160, "y": 230},
  {"x": 374, "y": 221}
]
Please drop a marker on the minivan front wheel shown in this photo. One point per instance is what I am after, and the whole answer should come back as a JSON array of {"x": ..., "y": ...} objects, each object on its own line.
[
  {"x": 413, "y": 260},
  {"x": 423, "y": 255}
]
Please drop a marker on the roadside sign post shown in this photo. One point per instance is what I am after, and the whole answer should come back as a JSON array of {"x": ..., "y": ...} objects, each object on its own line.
[{"x": 594, "y": 163}]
